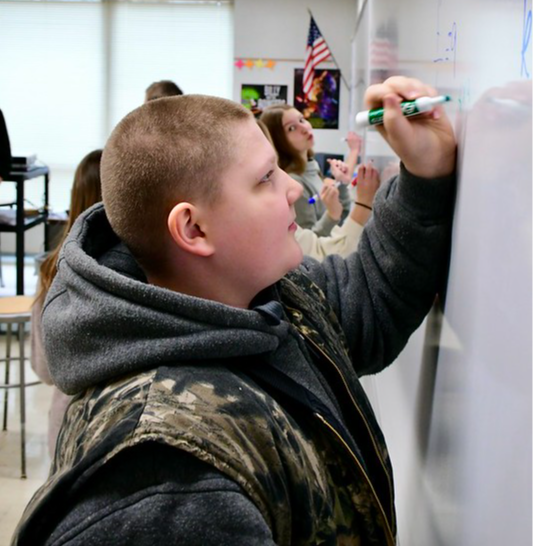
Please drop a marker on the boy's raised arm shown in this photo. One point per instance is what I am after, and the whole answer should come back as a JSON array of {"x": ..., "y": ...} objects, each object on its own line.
[{"x": 382, "y": 293}]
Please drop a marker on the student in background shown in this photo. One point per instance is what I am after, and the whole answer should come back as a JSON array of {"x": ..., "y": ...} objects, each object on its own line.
[
  {"x": 218, "y": 399},
  {"x": 86, "y": 191},
  {"x": 354, "y": 142},
  {"x": 163, "y": 88},
  {"x": 343, "y": 239},
  {"x": 293, "y": 140}
]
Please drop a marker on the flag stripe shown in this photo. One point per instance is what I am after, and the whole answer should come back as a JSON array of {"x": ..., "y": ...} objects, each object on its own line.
[{"x": 317, "y": 51}]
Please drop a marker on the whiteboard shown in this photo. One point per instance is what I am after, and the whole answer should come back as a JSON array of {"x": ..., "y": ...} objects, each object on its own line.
[{"x": 456, "y": 406}]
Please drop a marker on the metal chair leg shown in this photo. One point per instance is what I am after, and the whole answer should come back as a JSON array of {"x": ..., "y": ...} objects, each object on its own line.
[
  {"x": 22, "y": 362},
  {"x": 8, "y": 362}
]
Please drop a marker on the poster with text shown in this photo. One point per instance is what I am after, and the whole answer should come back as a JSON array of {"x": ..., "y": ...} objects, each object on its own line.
[
  {"x": 322, "y": 108},
  {"x": 257, "y": 97}
]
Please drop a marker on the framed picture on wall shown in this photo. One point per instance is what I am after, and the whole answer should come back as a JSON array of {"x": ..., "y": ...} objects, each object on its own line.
[
  {"x": 322, "y": 108},
  {"x": 256, "y": 97}
]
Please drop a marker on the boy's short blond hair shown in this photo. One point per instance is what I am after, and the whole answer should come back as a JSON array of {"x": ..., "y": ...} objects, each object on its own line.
[{"x": 165, "y": 152}]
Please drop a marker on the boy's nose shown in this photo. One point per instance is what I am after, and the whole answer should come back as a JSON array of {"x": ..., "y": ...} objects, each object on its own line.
[{"x": 294, "y": 190}]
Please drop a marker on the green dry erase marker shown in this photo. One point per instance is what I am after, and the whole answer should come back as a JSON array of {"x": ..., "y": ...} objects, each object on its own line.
[{"x": 409, "y": 108}]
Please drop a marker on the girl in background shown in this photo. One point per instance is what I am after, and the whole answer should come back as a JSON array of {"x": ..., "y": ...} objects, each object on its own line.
[
  {"x": 344, "y": 239},
  {"x": 292, "y": 136},
  {"x": 86, "y": 191}
]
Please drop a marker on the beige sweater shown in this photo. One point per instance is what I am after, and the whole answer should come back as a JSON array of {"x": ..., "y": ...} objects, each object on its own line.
[{"x": 343, "y": 240}]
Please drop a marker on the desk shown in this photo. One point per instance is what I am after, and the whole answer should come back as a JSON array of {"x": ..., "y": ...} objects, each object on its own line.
[{"x": 23, "y": 223}]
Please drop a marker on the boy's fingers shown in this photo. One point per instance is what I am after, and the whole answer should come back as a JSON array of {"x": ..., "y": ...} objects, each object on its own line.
[
  {"x": 374, "y": 95},
  {"x": 437, "y": 113},
  {"x": 404, "y": 88},
  {"x": 393, "y": 119}
]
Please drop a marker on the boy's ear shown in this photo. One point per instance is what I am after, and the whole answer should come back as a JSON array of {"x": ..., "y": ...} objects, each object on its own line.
[{"x": 185, "y": 227}]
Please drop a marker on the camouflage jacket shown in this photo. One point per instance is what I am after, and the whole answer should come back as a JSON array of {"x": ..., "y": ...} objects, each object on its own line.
[{"x": 273, "y": 446}]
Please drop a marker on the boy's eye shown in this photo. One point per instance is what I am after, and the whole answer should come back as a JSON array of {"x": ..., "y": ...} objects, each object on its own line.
[{"x": 267, "y": 177}]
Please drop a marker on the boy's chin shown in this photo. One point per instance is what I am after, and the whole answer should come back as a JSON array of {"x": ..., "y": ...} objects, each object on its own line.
[
  {"x": 293, "y": 264},
  {"x": 298, "y": 257}
]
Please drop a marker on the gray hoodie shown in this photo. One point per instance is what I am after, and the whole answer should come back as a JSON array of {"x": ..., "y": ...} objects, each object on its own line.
[{"x": 101, "y": 318}]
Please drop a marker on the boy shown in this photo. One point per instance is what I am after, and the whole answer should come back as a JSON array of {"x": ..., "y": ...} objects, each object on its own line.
[{"x": 218, "y": 399}]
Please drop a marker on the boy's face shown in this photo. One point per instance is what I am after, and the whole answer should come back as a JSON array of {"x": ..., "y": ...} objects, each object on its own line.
[{"x": 252, "y": 224}]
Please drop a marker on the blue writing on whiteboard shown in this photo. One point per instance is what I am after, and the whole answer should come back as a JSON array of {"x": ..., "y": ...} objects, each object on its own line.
[
  {"x": 449, "y": 53},
  {"x": 526, "y": 40}
]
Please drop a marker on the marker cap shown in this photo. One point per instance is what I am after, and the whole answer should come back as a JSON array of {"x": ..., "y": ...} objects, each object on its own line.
[{"x": 361, "y": 120}]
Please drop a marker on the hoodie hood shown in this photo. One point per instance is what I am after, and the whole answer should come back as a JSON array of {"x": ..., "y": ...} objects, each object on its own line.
[{"x": 101, "y": 319}]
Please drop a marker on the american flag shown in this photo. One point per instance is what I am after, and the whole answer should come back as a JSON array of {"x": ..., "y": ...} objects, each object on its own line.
[{"x": 316, "y": 52}]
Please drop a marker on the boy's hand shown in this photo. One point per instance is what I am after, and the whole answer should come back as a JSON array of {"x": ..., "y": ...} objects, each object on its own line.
[
  {"x": 425, "y": 143},
  {"x": 340, "y": 171},
  {"x": 330, "y": 197}
]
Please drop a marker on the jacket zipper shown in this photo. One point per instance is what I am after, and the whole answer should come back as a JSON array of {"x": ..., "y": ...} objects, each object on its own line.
[
  {"x": 390, "y": 537},
  {"x": 368, "y": 429}
]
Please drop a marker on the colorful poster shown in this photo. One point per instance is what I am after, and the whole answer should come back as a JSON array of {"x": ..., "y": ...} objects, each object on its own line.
[
  {"x": 257, "y": 97},
  {"x": 322, "y": 108}
]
